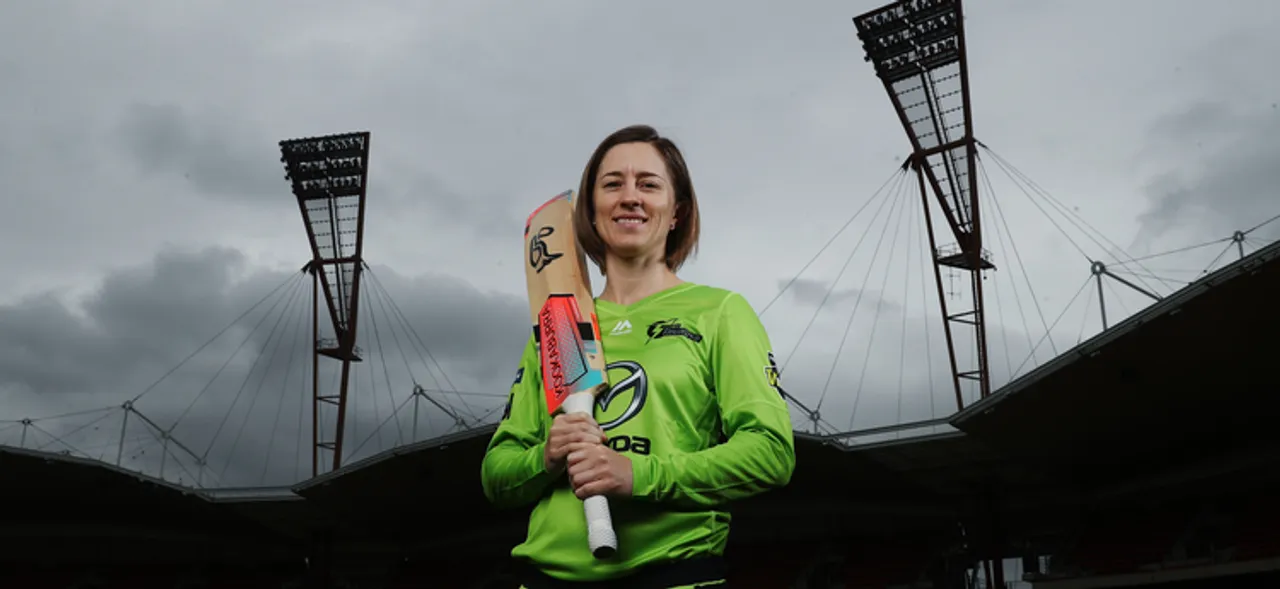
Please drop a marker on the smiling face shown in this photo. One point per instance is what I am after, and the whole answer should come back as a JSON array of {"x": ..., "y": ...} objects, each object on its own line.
[
  {"x": 635, "y": 188},
  {"x": 635, "y": 203}
]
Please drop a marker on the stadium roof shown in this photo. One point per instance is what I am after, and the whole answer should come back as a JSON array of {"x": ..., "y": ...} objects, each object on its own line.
[
  {"x": 1169, "y": 377},
  {"x": 52, "y": 498}
]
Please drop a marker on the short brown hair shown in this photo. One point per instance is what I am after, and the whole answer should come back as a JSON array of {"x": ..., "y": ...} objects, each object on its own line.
[{"x": 682, "y": 242}]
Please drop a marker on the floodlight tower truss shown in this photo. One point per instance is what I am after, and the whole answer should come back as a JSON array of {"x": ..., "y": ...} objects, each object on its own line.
[
  {"x": 918, "y": 50},
  {"x": 329, "y": 177}
]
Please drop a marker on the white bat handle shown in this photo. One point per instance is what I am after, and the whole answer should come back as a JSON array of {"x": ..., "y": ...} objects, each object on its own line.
[{"x": 600, "y": 534}]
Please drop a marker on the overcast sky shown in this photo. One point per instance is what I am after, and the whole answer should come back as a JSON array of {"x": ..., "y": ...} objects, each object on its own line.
[{"x": 145, "y": 206}]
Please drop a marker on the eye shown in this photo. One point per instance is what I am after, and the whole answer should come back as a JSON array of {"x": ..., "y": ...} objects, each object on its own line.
[{"x": 611, "y": 184}]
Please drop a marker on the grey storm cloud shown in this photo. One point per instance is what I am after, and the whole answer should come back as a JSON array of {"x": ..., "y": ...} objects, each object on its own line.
[
  {"x": 151, "y": 329},
  {"x": 812, "y": 292},
  {"x": 227, "y": 160},
  {"x": 1211, "y": 158},
  {"x": 1232, "y": 184},
  {"x": 217, "y": 160}
]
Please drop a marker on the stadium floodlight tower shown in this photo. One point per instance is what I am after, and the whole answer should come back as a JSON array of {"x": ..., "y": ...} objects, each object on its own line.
[
  {"x": 329, "y": 177},
  {"x": 918, "y": 50}
]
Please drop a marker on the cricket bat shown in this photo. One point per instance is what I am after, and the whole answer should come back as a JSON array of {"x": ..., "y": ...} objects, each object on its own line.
[{"x": 567, "y": 333}]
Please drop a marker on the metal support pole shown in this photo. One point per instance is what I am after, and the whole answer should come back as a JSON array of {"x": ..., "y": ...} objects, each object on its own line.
[
  {"x": 457, "y": 419},
  {"x": 918, "y": 165},
  {"x": 1098, "y": 269},
  {"x": 417, "y": 400},
  {"x": 1151, "y": 295},
  {"x": 164, "y": 452},
  {"x": 315, "y": 369},
  {"x": 124, "y": 425},
  {"x": 1238, "y": 238}
]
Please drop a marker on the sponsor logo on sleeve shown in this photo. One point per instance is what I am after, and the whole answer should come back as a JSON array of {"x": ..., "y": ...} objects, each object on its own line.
[
  {"x": 506, "y": 411},
  {"x": 772, "y": 375}
]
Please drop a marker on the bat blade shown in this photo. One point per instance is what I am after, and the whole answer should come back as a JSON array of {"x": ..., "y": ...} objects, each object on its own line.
[
  {"x": 561, "y": 305},
  {"x": 567, "y": 332}
]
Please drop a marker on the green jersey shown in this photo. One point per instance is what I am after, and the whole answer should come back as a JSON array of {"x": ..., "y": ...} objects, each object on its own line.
[{"x": 694, "y": 403}]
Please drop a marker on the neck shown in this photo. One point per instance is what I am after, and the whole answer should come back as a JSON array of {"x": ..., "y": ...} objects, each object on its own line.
[{"x": 628, "y": 281}]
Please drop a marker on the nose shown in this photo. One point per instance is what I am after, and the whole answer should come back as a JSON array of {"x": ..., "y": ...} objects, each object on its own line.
[{"x": 630, "y": 195}]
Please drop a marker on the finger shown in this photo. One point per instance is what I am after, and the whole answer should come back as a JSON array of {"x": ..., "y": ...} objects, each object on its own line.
[
  {"x": 576, "y": 419},
  {"x": 594, "y": 439},
  {"x": 584, "y": 427},
  {"x": 569, "y": 422},
  {"x": 583, "y": 478},
  {"x": 593, "y": 488},
  {"x": 591, "y": 434},
  {"x": 557, "y": 449},
  {"x": 587, "y": 444},
  {"x": 574, "y": 436},
  {"x": 585, "y": 470},
  {"x": 575, "y": 456},
  {"x": 579, "y": 452}
]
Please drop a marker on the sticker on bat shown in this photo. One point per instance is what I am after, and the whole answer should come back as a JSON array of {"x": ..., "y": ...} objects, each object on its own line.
[{"x": 539, "y": 254}]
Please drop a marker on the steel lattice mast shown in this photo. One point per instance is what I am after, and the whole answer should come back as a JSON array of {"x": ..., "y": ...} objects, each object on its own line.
[
  {"x": 918, "y": 50},
  {"x": 329, "y": 177}
]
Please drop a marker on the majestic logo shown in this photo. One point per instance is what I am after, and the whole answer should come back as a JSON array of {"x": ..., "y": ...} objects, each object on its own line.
[
  {"x": 636, "y": 382},
  {"x": 539, "y": 255},
  {"x": 671, "y": 328},
  {"x": 772, "y": 375},
  {"x": 621, "y": 328},
  {"x": 506, "y": 411}
]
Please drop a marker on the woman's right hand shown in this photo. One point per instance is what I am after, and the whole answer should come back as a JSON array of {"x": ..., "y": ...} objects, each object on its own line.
[{"x": 569, "y": 431}]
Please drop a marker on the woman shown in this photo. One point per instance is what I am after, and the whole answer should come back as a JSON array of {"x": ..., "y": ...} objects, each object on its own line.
[{"x": 694, "y": 420}]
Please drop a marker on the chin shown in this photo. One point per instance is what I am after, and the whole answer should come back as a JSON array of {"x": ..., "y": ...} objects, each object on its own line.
[
  {"x": 629, "y": 240},
  {"x": 629, "y": 248}
]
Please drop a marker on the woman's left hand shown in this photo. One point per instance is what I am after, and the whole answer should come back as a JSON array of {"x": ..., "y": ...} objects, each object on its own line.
[{"x": 596, "y": 469}]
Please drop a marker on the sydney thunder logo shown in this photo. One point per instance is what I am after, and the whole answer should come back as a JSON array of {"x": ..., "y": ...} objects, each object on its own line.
[
  {"x": 671, "y": 328},
  {"x": 636, "y": 382}
]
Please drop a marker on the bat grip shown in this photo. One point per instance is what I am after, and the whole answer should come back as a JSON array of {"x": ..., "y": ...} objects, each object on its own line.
[{"x": 601, "y": 537}]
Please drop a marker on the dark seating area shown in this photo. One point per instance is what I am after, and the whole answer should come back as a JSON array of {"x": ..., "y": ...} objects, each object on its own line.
[
  {"x": 1125, "y": 545},
  {"x": 1230, "y": 538},
  {"x": 1257, "y": 530},
  {"x": 885, "y": 565},
  {"x": 157, "y": 576}
]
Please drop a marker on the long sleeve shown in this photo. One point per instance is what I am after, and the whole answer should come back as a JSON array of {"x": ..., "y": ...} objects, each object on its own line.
[
  {"x": 512, "y": 472},
  {"x": 759, "y": 452}
]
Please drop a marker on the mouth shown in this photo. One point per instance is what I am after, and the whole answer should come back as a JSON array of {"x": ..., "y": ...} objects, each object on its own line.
[{"x": 630, "y": 220}]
